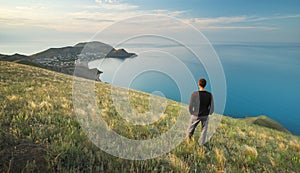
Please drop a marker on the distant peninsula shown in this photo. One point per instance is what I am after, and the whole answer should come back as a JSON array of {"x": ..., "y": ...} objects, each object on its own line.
[{"x": 64, "y": 59}]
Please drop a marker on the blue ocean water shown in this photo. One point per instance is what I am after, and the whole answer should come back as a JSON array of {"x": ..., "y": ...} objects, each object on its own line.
[{"x": 262, "y": 79}]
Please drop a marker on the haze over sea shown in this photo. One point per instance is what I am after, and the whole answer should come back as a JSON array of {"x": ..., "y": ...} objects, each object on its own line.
[{"x": 262, "y": 79}]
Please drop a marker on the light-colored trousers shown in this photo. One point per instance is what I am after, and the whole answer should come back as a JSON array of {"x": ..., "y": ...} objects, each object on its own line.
[{"x": 194, "y": 121}]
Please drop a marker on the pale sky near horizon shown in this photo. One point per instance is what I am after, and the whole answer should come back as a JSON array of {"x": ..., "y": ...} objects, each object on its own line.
[{"x": 30, "y": 26}]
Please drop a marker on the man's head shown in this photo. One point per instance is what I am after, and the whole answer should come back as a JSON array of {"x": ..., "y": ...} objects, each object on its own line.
[{"x": 202, "y": 82}]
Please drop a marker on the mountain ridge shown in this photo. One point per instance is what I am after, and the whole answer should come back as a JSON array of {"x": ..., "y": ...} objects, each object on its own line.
[{"x": 63, "y": 59}]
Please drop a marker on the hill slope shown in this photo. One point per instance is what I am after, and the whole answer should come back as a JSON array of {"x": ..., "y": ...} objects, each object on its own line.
[
  {"x": 39, "y": 132},
  {"x": 267, "y": 122}
]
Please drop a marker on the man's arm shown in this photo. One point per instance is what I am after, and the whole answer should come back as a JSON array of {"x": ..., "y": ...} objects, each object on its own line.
[
  {"x": 212, "y": 106},
  {"x": 192, "y": 104}
]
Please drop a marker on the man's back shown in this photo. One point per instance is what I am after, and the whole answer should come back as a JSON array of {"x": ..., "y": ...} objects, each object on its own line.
[{"x": 200, "y": 103}]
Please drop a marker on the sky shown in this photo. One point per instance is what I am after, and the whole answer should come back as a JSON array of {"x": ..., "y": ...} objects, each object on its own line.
[{"x": 30, "y": 26}]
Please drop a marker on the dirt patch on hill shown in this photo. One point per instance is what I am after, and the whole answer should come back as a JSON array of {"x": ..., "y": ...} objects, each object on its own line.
[{"x": 22, "y": 157}]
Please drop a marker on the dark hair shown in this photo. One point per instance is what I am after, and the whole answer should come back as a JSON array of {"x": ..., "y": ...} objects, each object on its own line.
[{"x": 202, "y": 82}]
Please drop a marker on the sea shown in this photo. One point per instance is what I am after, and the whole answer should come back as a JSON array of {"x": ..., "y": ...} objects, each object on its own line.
[{"x": 261, "y": 78}]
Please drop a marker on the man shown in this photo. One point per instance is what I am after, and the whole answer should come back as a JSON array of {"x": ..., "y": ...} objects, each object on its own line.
[{"x": 201, "y": 106}]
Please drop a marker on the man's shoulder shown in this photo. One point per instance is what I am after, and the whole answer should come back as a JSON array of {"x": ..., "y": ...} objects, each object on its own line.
[
  {"x": 201, "y": 92},
  {"x": 208, "y": 92},
  {"x": 195, "y": 93}
]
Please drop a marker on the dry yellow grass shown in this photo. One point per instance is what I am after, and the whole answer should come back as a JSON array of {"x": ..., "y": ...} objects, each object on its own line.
[
  {"x": 295, "y": 145},
  {"x": 45, "y": 105},
  {"x": 32, "y": 105},
  {"x": 252, "y": 133},
  {"x": 282, "y": 146},
  {"x": 263, "y": 136},
  {"x": 12, "y": 98},
  {"x": 201, "y": 152},
  {"x": 177, "y": 162},
  {"x": 242, "y": 134},
  {"x": 250, "y": 151},
  {"x": 273, "y": 163},
  {"x": 221, "y": 160},
  {"x": 279, "y": 138}
]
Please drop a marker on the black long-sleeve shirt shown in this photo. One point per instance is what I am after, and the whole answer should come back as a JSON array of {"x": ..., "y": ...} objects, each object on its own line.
[{"x": 201, "y": 103}]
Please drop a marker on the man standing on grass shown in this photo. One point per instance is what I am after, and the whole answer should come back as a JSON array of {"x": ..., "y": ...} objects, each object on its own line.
[{"x": 201, "y": 106}]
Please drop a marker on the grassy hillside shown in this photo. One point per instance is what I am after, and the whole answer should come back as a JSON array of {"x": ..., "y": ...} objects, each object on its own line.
[
  {"x": 267, "y": 122},
  {"x": 39, "y": 132}
]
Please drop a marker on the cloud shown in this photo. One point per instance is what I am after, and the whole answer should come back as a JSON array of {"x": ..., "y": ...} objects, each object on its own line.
[
  {"x": 176, "y": 13},
  {"x": 239, "y": 27},
  {"x": 105, "y": 1},
  {"x": 105, "y": 18},
  {"x": 95, "y": 17},
  {"x": 113, "y": 5},
  {"x": 32, "y": 7},
  {"x": 99, "y": 15},
  {"x": 237, "y": 22},
  {"x": 122, "y": 7},
  {"x": 92, "y": 20},
  {"x": 218, "y": 20},
  {"x": 278, "y": 17}
]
